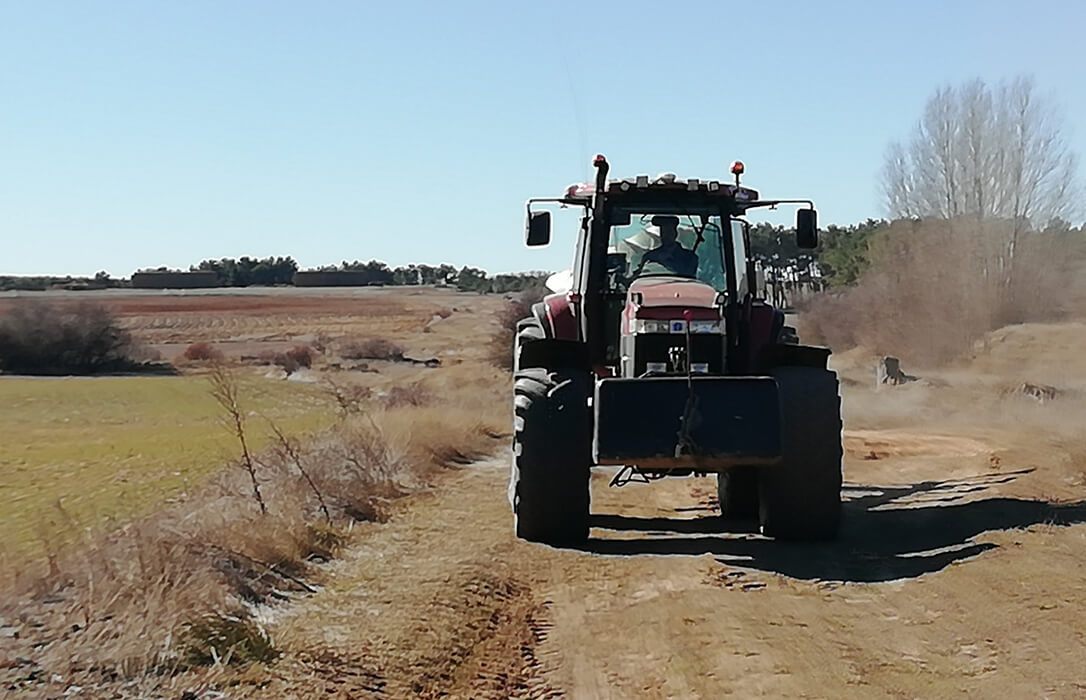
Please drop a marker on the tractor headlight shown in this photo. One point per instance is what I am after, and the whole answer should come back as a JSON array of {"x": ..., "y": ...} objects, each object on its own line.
[
  {"x": 644, "y": 325},
  {"x": 705, "y": 326}
]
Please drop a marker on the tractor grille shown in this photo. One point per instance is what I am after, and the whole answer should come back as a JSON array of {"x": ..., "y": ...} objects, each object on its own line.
[{"x": 654, "y": 347}]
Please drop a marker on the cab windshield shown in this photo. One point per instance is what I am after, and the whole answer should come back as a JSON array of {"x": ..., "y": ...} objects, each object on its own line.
[{"x": 646, "y": 249}]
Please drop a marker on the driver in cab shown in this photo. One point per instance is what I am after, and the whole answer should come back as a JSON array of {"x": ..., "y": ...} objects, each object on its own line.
[{"x": 670, "y": 253}]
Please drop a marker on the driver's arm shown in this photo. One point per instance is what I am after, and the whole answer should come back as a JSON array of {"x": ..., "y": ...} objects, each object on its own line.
[{"x": 645, "y": 259}]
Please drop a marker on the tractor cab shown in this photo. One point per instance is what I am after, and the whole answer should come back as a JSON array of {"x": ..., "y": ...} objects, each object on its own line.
[{"x": 637, "y": 235}]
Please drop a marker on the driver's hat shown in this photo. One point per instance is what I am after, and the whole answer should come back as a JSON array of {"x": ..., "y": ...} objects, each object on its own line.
[{"x": 664, "y": 220}]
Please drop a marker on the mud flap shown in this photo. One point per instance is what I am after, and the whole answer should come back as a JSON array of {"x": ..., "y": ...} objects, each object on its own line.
[{"x": 662, "y": 422}]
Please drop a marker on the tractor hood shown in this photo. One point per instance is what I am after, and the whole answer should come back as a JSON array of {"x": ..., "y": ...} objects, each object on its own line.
[{"x": 683, "y": 292}]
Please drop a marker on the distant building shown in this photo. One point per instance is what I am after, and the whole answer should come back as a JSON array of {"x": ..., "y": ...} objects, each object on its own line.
[
  {"x": 156, "y": 279},
  {"x": 335, "y": 278}
]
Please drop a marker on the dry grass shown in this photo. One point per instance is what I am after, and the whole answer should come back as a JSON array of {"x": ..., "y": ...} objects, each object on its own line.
[
  {"x": 183, "y": 587},
  {"x": 202, "y": 351},
  {"x": 935, "y": 287},
  {"x": 407, "y": 395},
  {"x": 515, "y": 309},
  {"x": 371, "y": 349}
]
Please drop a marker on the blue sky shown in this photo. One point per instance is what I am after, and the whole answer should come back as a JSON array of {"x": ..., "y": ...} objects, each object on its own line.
[{"x": 137, "y": 134}]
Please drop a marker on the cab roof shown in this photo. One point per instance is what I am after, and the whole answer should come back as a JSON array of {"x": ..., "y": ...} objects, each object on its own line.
[{"x": 664, "y": 193}]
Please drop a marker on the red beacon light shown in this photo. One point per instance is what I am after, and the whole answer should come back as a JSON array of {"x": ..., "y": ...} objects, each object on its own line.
[
  {"x": 599, "y": 160},
  {"x": 737, "y": 169}
]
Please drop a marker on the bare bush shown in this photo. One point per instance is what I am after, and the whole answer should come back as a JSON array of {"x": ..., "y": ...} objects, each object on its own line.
[
  {"x": 302, "y": 355},
  {"x": 321, "y": 342},
  {"x": 265, "y": 357},
  {"x": 287, "y": 363},
  {"x": 202, "y": 351},
  {"x": 224, "y": 389},
  {"x": 520, "y": 307},
  {"x": 289, "y": 449},
  {"x": 407, "y": 395},
  {"x": 298, "y": 357},
  {"x": 46, "y": 338},
  {"x": 349, "y": 398},
  {"x": 371, "y": 349},
  {"x": 935, "y": 287}
]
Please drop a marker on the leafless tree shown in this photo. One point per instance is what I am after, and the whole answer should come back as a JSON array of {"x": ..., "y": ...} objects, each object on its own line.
[
  {"x": 224, "y": 389},
  {"x": 991, "y": 153},
  {"x": 290, "y": 450},
  {"x": 985, "y": 154}
]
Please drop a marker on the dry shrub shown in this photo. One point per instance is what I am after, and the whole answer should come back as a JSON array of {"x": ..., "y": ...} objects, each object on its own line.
[
  {"x": 934, "y": 287},
  {"x": 462, "y": 428},
  {"x": 45, "y": 338},
  {"x": 298, "y": 357},
  {"x": 349, "y": 398},
  {"x": 321, "y": 342},
  {"x": 518, "y": 308},
  {"x": 202, "y": 352},
  {"x": 407, "y": 395},
  {"x": 222, "y": 638},
  {"x": 302, "y": 355},
  {"x": 371, "y": 349},
  {"x": 443, "y": 312}
]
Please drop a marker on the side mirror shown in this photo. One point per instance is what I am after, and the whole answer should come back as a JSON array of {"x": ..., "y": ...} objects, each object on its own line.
[
  {"x": 539, "y": 228},
  {"x": 807, "y": 228}
]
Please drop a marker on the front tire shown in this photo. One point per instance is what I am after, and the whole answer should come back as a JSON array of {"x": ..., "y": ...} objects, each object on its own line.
[
  {"x": 528, "y": 330},
  {"x": 800, "y": 498},
  {"x": 549, "y": 488}
]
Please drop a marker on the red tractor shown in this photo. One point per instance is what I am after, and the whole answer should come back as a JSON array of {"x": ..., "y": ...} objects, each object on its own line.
[{"x": 661, "y": 359}]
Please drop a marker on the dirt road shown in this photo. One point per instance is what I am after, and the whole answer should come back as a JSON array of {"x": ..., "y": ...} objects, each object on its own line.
[
  {"x": 959, "y": 571},
  {"x": 950, "y": 579}
]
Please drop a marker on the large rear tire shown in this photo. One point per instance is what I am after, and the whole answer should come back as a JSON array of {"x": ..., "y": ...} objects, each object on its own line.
[
  {"x": 549, "y": 487},
  {"x": 737, "y": 490},
  {"x": 800, "y": 498}
]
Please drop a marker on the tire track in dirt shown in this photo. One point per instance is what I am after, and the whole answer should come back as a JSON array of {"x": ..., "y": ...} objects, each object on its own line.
[{"x": 428, "y": 605}]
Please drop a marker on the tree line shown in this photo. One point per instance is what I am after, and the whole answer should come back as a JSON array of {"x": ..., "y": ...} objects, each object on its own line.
[{"x": 271, "y": 271}]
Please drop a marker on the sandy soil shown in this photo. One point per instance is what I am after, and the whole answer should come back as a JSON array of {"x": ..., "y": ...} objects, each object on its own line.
[{"x": 959, "y": 572}]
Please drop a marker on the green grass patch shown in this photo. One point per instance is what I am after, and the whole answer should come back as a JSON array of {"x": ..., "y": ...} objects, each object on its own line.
[{"x": 77, "y": 454}]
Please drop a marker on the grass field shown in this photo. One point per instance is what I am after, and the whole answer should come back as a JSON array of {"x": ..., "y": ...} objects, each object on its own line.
[
  {"x": 90, "y": 454},
  {"x": 81, "y": 453}
]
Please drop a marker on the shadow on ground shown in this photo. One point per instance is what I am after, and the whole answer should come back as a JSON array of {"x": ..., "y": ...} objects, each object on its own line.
[{"x": 887, "y": 532}]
